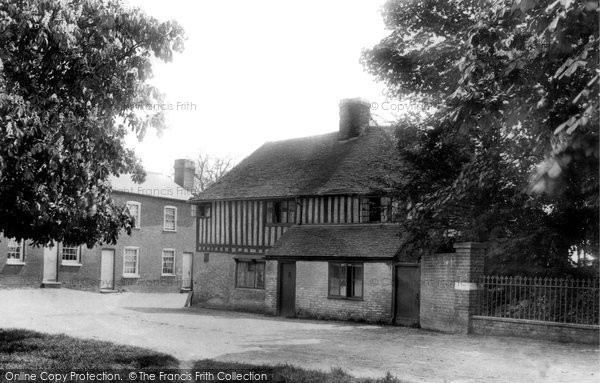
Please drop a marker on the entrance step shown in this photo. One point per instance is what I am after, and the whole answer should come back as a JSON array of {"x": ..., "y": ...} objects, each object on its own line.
[{"x": 51, "y": 285}]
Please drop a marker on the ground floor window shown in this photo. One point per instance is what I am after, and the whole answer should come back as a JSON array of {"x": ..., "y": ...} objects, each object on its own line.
[
  {"x": 168, "y": 262},
  {"x": 15, "y": 251},
  {"x": 250, "y": 274},
  {"x": 131, "y": 262},
  {"x": 345, "y": 280},
  {"x": 70, "y": 254}
]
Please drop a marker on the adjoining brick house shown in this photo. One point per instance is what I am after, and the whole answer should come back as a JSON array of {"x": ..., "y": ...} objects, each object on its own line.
[
  {"x": 157, "y": 256},
  {"x": 304, "y": 227}
]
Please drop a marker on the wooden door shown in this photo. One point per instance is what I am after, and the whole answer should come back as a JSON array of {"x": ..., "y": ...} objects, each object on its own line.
[
  {"x": 50, "y": 264},
  {"x": 107, "y": 269},
  {"x": 287, "y": 289},
  {"x": 407, "y": 292},
  {"x": 186, "y": 271}
]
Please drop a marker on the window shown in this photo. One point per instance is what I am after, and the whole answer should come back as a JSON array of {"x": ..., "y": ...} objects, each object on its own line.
[
  {"x": 168, "y": 262},
  {"x": 135, "y": 210},
  {"x": 170, "y": 218},
  {"x": 345, "y": 280},
  {"x": 15, "y": 251},
  {"x": 203, "y": 210},
  {"x": 250, "y": 274},
  {"x": 283, "y": 212},
  {"x": 131, "y": 262},
  {"x": 371, "y": 209},
  {"x": 69, "y": 255}
]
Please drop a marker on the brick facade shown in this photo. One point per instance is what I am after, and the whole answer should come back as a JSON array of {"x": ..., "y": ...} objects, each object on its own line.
[
  {"x": 214, "y": 285},
  {"x": 312, "y": 294},
  {"x": 150, "y": 238}
]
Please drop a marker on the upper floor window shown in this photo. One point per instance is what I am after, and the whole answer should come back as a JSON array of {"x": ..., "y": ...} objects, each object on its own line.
[
  {"x": 70, "y": 255},
  {"x": 170, "y": 218},
  {"x": 135, "y": 210},
  {"x": 131, "y": 261},
  {"x": 371, "y": 209},
  {"x": 15, "y": 251},
  {"x": 203, "y": 210},
  {"x": 283, "y": 211}
]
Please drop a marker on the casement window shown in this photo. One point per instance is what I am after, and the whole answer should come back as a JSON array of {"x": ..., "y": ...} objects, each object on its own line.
[
  {"x": 170, "y": 218},
  {"x": 345, "y": 280},
  {"x": 135, "y": 210},
  {"x": 70, "y": 255},
  {"x": 168, "y": 262},
  {"x": 203, "y": 210},
  {"x": 370, "y": 209},
  {"x": 131, "y": 261},
  {"x": 250, "y": 274},
  {"x": 15, "y": 251},
  {"x": 281, "y": 212}
]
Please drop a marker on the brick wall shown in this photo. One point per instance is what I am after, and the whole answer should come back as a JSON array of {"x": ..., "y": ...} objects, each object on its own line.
[
  {"x": 28, "y": 274},
  {"x": 312, "y": 291},
  {"x": 150, "y": 238},
  {"x": 449, "y": 291},
  {"x": 561, "y": 332},
  {"x": 214, "y": 285}
]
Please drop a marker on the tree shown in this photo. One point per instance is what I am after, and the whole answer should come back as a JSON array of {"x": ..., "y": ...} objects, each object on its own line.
[
  {"x": 72, "y": 84},
  {"x": 210, "y": 169},
  {"x": 511, "y": 154}
]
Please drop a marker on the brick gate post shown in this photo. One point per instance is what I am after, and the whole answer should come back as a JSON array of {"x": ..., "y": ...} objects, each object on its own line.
[{"x": 449, "y": 287}]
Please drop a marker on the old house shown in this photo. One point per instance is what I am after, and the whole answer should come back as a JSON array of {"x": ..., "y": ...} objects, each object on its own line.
[
  {"x": 156, "y": 257},
  {"x": 304, "y": 227}
]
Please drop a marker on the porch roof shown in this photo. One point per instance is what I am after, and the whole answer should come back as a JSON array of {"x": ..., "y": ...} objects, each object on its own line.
[{"x": 367, "y": 242}]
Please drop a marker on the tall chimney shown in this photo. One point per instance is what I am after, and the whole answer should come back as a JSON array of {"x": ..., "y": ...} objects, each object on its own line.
[
  {"x": 185, "y": 171},
  {"x": 355, "y": 115}
]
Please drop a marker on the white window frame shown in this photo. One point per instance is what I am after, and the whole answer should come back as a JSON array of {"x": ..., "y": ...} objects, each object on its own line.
[
  {"x": 165, "y": 218},
  {"x": 138, "y": 219},
  {"x": 162, "y": 270},
  {"x": 137, "y": 262},
  {"x": 70, "y": 262},
  {"x": 15, "y": 261}
]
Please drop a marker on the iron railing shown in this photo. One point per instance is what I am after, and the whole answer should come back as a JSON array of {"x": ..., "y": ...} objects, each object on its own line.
[{"x": 563, "y": 300}]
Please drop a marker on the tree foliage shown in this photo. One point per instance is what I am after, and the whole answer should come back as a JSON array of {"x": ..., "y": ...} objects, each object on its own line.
[
  {"x": 511, "y": 154},
  {"x": 72, "y": 84}
]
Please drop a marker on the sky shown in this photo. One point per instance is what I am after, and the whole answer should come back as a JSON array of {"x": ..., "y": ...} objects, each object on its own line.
[{"x": 257, "y": 71}]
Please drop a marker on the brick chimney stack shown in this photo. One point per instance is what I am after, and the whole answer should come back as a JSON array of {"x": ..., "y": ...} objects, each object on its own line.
[
  {"x": 185, "y": 171},
  {"x": 355, "y": 115}
]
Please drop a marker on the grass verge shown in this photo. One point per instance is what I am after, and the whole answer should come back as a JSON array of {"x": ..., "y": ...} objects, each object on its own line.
[
  {"x": 34, "y": 350},
  {"x": 24, "y": 349}
]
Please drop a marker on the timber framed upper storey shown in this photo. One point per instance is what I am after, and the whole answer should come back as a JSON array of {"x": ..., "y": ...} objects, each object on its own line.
[{"x": 330, "y": 179}]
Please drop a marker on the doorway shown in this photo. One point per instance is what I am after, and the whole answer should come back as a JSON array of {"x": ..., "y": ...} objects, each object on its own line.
[
  {"x": 407, "y": 294},
  {"x": 287, "y": 289},
  {"x": 186, "y": 271},
  {"x": 50, "y": 264},
  {"x": 107, "y": 270}
]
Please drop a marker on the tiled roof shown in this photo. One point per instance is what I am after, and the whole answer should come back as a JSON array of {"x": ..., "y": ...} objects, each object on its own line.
[
  {"x": 316, "y": 165},
  {"x": 155, "y": 185},
  {"x": 338, "y": 242}
]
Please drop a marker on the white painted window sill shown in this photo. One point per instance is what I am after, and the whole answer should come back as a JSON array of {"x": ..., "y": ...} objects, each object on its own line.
[
  {"x": 131, "y": 275},
  {"x": 168, "y": 275},
  {"x": 71, "y": 264},
  {"x": 15, "y": 263}
]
